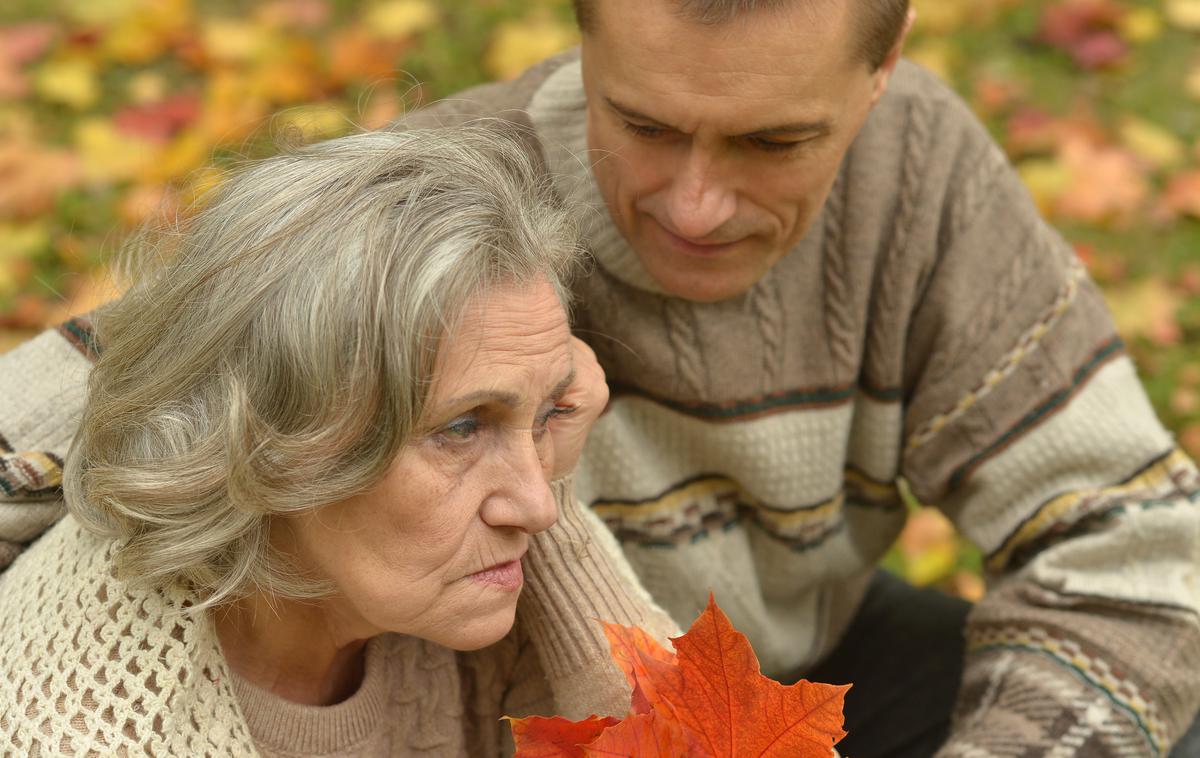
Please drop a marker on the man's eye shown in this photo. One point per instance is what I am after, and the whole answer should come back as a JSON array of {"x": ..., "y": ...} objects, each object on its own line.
[
  {"x": 775, "y": 146},
  {"x": 642, "y": 130}
]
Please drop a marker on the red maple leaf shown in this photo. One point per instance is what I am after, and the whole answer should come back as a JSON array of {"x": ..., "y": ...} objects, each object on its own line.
[
  {"x": 538, "y": 737},
  {"x": 708, "y": 699},
  {"x": 646, "y": 735}
]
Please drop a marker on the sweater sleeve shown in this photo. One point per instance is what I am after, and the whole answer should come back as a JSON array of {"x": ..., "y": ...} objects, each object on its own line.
[
  {"x": 576, "y": 578},
  {"x": 1026, "y": 423},
  {"x": 42, "y": 389}
]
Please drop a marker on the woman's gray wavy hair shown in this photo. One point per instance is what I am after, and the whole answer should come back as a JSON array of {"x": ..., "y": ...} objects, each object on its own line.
[{"x": 276, "y": 354}]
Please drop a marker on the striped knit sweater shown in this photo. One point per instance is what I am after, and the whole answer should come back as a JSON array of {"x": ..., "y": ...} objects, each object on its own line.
[{"x": 931, "y": 330}]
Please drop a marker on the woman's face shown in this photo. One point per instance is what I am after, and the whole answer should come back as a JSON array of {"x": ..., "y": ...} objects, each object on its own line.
[{"x": 434, "y": 549}]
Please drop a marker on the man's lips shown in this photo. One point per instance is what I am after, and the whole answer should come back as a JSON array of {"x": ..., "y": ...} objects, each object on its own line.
[{"x": 694, "y": 247}]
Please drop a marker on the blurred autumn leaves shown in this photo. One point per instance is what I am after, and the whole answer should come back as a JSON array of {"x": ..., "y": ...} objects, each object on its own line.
[{"x": 113, "y": 110}]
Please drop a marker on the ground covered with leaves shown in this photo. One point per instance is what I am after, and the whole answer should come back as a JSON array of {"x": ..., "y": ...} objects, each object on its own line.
[{"x": 114, "y": 110}]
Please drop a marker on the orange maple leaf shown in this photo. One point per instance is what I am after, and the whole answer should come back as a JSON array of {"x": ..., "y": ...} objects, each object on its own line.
[{"x": 708, "y": 699}]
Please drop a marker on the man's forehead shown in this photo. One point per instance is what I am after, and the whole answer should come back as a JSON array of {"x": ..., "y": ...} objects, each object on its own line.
[
  {"x": 683, "y": 74},
  {"x": 782, "y": 21},
  {"x": 759, "y": 53}
]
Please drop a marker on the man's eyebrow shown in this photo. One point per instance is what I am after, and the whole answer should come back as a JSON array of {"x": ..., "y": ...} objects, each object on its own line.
[
  {"x": 635, "y": 115},
  {"x": 817, "y": 127}
]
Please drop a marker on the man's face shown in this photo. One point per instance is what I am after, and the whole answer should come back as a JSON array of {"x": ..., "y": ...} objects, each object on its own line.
[{"x": 715, "y": 146}]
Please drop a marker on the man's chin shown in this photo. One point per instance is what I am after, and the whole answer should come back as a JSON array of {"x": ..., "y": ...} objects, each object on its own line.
[
  {"x": 705, "y": 279},
  {"x": 705, "y": 287}
]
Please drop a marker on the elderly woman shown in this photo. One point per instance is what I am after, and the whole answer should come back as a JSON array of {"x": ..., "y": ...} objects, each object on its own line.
[{"x": 319, "y": 462}]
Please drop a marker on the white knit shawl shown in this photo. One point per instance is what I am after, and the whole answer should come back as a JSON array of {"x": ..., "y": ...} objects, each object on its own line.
[{"x": 92, "y": 667}]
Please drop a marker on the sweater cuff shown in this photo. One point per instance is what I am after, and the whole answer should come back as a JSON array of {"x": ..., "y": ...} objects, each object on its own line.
[
  {"x": 1020, "y": 697},
  {"x": 577, "y": 577}
]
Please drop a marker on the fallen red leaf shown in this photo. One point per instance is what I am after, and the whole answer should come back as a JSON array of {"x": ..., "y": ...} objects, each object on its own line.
[
  {"x": 722, "y": 696},
  {"x": 707, "y": 700},
  {"x": 634, "y": 652},
  {"x": 26, "y": 42},
  {"x": 538, "y": 737},
  {"x": 161, "y": 120},
  {"x": 1086, "y": 30}
]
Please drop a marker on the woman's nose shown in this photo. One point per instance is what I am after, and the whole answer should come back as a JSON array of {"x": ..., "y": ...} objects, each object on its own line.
[{"x": 521, "y": 496}]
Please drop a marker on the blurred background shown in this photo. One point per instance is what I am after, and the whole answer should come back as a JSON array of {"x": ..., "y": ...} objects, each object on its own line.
[{"x": 112, "y": 111}]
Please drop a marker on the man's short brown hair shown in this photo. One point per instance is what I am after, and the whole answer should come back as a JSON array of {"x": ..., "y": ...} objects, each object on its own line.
[{"x": 881, "y": 22}]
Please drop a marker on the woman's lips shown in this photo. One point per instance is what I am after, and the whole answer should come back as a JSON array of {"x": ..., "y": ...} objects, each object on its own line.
[{"x": 505, "y": 576}]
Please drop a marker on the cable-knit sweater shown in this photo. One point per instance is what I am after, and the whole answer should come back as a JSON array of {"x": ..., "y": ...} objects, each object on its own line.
[
  {"x": 94, "y": 666},
  {"x": 930, "y": 331}
]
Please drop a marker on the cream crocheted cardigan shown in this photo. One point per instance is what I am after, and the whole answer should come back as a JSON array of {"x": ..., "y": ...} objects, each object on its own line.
[{"x": 95, "y": 667}]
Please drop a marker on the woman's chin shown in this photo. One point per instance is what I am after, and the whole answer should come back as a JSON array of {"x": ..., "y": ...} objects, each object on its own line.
[{"x": 477, "y": 632}]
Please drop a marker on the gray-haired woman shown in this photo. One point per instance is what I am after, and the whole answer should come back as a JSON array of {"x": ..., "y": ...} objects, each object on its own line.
[{"x": 324, "y": 427}]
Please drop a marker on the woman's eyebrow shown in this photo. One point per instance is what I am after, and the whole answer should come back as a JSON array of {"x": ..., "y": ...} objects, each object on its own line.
[
  {"x": 560, "y": 389},
  {"x": 502, "y": 397}
]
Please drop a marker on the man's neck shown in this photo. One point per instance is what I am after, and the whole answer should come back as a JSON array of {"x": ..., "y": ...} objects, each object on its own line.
[{"x": 298, "y": 650}]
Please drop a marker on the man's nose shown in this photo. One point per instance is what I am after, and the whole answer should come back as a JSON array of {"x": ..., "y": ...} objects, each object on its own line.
[
  {"x": 700, "y": 199},
  {"x": 522, "y": 496}
]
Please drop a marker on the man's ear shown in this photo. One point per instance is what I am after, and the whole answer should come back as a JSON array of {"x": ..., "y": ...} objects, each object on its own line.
[{"x": 884, "y": 73}]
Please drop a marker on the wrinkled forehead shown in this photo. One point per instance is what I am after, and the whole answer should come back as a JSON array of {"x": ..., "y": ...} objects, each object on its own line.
[
  {"x": 789, "y": 63},
  {"x": 816, "y": 29}
]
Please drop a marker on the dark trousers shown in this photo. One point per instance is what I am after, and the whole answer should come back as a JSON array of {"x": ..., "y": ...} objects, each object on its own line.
[{"x": 904, "y": 654}]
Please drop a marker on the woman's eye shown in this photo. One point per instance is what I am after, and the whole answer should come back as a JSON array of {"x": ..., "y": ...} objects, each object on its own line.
[
  {"x": 461, "y": 429},
  {"x": 543, "y": 421}
]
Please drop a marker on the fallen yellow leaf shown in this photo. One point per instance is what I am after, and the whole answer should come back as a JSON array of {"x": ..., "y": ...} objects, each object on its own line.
[
  {"x": 108, "y": 155},
  {"x": 69, "y": 82},
  {"x": 146, "y": 87},
  {"x": 517, "y": 45},
  {"x": 1192, "y": 83},
  {"x": 399, "y": 19},
  {"x": 315, "y": 122},
  {"x": 1183, "y": 13},
  {"x": 1146, "y": 308},
  {"x": 99, "y": 12},
  {"x": 19, "y": 243},
  {"x": 1141, "y": 25},
  {"x": 187, "y": 152},
  {"x": 935, "y": 54},
  {"x": 231, "y": 40},
  {"x": 1046, "y": 180},
  {"x": 937, "y": 17},
  {"x": 1152, "y": 143}
]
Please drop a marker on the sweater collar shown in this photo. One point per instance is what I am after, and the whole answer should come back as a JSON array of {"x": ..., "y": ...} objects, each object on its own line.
[{"x": 559, "y": 114}]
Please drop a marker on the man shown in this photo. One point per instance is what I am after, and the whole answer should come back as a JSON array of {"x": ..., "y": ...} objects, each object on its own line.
[{"x": 817, "y": 279}]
